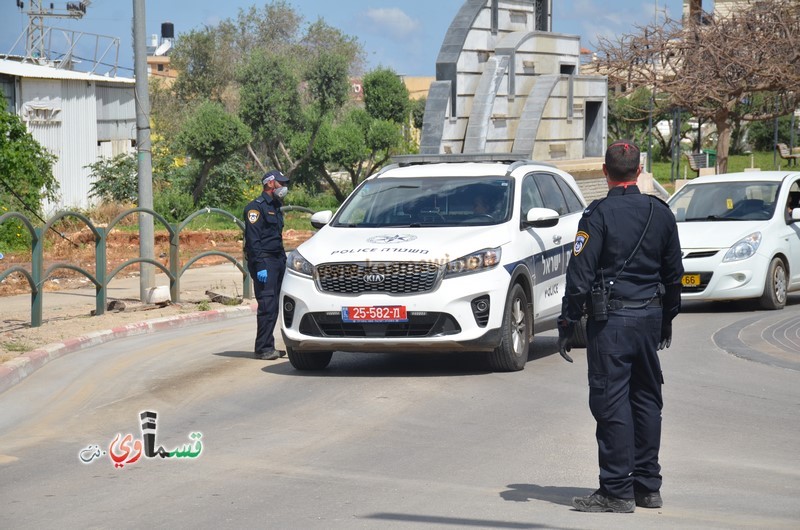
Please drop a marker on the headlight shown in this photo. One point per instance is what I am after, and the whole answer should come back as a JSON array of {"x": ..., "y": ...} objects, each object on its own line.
[
  {"x": 476, "y": 262},
  {"x": 744, "y": 248},
  {"x": 297, "y": 263}
]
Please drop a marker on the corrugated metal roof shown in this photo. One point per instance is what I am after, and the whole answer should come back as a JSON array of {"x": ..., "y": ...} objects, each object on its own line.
[{"x": 18, "y": 69}]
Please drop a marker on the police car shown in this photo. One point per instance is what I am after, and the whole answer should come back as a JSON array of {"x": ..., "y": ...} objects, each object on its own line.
[{"x": 445, "y": 253}]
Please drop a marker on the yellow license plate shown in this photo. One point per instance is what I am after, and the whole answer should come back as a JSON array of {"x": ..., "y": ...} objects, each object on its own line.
[{"x": 690, "y": 280}]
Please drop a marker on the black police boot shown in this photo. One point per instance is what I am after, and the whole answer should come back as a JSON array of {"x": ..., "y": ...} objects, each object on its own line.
[
  {"x": 649, "y": 500},
  {"x": 267, "y": 355},
  {"x": 599, "y": 502},
  {"x": 271, "y": 355}
]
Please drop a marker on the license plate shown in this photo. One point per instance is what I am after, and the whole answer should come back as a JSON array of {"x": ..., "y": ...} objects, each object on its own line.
[
  {"x": 376, "y": 313},
  {"x": 690, "y": 280}
]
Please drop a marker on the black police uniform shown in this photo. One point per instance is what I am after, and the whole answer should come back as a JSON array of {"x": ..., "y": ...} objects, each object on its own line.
[
  {"x": 624, "y": 370},
  {"x": 263, "y": 221}
]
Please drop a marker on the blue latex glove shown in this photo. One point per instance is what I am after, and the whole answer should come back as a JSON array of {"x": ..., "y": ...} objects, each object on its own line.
[{"x": 262, "y": 276}]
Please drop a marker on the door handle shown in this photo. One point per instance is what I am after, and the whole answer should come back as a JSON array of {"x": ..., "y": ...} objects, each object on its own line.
[{"x": 556, "y": 239}]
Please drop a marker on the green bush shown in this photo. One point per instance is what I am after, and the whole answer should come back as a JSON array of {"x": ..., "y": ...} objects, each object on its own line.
[
  {"x": 115, "y": 179},
  {"x": 761, "y": 134},
  {"x": 175, "y": 205},
  {"x": 300, "y": 195},
  {"x": 14, "y": 236},
  {"x": 228, "y": 184}
]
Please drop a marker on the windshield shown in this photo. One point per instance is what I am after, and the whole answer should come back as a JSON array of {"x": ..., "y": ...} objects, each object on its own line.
[
  {"x": 428, "y": 201},
  {"x": 725, "y": 201}
]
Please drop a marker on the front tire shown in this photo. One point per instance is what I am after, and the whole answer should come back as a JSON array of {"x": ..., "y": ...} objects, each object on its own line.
[
  {"x": 317, "y": 360},
  {"x": 512, "y": 353},
  {"x": 774, "y": 296}
]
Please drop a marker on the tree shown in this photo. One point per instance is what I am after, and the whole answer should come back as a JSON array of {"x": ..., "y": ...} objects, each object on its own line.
[
  {"x": 713, "y": 66},
  {"x": 211, "y": 135},
  {"x": 284, "y": 78},
  {"x": 386, "y": 96},
  {"x": 762, "y": 134},
  {"x": 418, "y": 112},
  {"x": 358, "y": 144},
  {"x": 202, "y": 71},
  {"x": 276, "y": 107},
  {"x": 26, "y": 167}
]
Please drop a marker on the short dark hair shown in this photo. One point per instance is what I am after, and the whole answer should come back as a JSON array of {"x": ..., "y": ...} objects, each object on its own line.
[{"x": 622, "y": 160}]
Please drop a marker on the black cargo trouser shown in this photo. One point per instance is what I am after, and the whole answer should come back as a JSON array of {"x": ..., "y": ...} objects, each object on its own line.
[
  {"x": 625, "y": 399},
  {"x": 267, "y": 295}
]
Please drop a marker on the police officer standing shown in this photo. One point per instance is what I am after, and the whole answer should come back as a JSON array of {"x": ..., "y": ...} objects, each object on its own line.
[
  {"x": 625, "y": 272},
  {"x": 266, "y": 258}
]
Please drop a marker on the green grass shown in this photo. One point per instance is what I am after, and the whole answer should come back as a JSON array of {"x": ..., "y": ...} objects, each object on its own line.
[
  {"x": 17, "y": 347},
  {"x": 765, "y": 160}
]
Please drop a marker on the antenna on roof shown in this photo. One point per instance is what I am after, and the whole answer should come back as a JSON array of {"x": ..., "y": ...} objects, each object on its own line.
[{"x": 36, "y": 46}]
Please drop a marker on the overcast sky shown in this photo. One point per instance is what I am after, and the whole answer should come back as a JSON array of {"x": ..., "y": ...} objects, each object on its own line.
[{"x": 404, "y": 35}]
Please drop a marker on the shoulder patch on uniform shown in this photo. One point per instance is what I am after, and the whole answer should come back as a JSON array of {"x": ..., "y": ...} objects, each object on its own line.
[
  {"x": 260, "y": 200},
  {"x": 659, "y": 199},
  {"x": 589, "y": 209},
  {"x": 253, "y": 215},
  {"x": 581, "y": 239}
]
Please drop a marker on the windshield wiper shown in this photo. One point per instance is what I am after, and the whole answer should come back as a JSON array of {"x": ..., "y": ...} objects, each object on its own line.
[{"x": 712, "y": 218}]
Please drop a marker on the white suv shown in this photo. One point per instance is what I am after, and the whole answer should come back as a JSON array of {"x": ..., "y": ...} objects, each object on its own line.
[{"x": 435, "y": 254}]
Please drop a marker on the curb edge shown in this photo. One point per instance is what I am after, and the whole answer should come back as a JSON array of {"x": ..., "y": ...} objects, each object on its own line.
[{"x": 17, "y": 369}]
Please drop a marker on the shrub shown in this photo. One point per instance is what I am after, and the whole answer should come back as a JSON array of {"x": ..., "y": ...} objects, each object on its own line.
[
  {"x": 115, "y": 179},
  {"x": 761, "y": 134},
  {"x": 175, "y": 205},
  {"x": 300, "y": 195}
]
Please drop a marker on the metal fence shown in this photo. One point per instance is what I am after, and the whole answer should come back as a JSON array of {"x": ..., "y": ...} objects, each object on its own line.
[{"x": 101, "y": 277}]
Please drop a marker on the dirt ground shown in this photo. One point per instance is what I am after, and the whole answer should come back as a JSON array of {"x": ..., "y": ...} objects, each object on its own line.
[{"x": 16, "y": 335}]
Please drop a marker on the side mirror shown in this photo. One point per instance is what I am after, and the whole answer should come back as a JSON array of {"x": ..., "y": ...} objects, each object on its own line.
[
  {"x": 320, "y": 219},
  {"x": 540, "y": 218},
  {"x": 795, "y": 214}
]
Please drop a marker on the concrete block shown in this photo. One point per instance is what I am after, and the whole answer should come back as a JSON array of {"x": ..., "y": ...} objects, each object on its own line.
[{"x": 157, "y": 295}]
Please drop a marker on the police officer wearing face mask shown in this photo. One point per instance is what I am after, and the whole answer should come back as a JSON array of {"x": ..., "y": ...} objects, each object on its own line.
[
  {"x": 625, "y": 271},
  {"x": 266, "y": 258}
]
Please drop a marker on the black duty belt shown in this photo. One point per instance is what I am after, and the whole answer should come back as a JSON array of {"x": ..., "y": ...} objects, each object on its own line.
[{"x": 633, "y": 304}]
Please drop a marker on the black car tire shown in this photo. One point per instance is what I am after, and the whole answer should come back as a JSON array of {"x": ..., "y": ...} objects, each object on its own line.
[
  {"x": 774, "y": 296},
  {"x": 512, "y": 353}
]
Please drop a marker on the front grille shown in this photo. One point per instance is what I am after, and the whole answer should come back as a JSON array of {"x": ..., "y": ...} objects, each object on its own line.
[
  {"x": 418, "y": 325},
  {"x": 391, "y": 277},
  {"x": 701, "y": 254}
]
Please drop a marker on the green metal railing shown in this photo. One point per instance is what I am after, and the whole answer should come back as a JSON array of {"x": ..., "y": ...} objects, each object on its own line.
[{"x": 101, "y": 278}]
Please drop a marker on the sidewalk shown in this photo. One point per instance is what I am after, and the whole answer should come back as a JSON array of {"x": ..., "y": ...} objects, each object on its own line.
[{"x": 66, "y": 316}]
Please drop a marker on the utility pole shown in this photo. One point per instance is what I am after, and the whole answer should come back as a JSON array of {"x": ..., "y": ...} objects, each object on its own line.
[{"x": 144, "y": 158}]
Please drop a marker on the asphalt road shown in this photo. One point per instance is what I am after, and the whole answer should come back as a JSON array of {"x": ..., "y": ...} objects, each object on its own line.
[{"x": 395, "y": 441}]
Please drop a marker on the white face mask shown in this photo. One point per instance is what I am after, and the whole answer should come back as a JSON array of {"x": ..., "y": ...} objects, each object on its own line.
[{"x": 281, "y": 192}]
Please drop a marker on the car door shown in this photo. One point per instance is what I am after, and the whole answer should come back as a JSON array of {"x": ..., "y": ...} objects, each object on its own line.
[
  {"x": 552, "y": 244},
  {"x": 791, "y": 232}
]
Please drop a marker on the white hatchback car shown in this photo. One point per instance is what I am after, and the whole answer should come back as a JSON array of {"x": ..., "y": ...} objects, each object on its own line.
[
  {"x": 740, "y": 236},
  {"x": 435, "y": 254}
]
